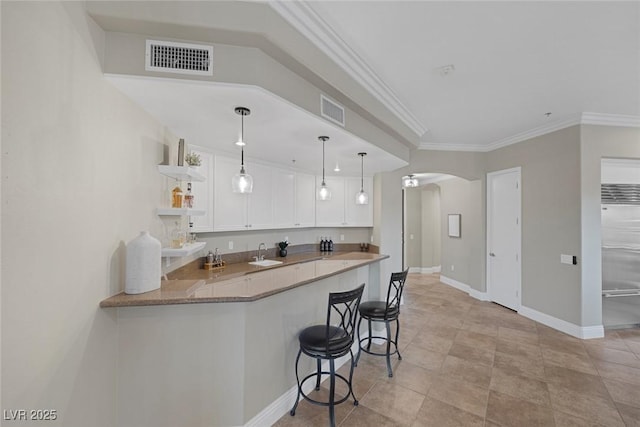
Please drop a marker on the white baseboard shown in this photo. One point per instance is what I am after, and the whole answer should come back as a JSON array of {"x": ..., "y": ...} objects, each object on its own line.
[
  {"x": 582, "y": 332},
  {"x": 474, "y": 293},
  {"x": 283, "y": 404},
  {"x": 425, "y": 270}
]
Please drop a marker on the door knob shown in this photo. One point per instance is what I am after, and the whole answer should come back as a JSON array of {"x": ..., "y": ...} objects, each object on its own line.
[{"x": 492, "y": 254}]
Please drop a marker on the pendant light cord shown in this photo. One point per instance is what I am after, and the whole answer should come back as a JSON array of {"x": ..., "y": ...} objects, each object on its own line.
[
  {"x": 242, "y": 139},
  {"x": 361, "y": 173},
  {"x": 323, "y": 162}
]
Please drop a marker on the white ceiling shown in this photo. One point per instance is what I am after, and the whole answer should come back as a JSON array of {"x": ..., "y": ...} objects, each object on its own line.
[
  {"x": 513, "y": 61},
  {"x": 276, "y": 131}
]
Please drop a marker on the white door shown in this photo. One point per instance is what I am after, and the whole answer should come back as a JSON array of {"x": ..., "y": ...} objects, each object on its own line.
[{"x": 503, "y": 237}]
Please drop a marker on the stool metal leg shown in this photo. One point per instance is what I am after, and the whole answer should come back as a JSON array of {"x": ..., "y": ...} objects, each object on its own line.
[
  {"x": 370, "y": 339},
  {"x": 397, "y": 334},
  {"x": 319, "y": 374},
  {"x": 292, "y": 412},
  {"x": 388, "y": 327},
  {"x": 332, "y": 390},
  {"x": 359, "y": 342},
  {"x": 355, "y": 401}
]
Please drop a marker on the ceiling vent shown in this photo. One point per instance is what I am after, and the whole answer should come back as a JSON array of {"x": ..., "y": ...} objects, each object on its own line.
[
  {"x": 620, "y": 194},
  {"x": 331, "y": 111},
  {"x": 179, "y": 58}
]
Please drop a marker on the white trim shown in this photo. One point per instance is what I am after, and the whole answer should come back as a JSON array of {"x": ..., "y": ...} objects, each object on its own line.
[
  {"x": 600, "y": 119},
  {"x": 474, "y": 293},
  {"x": 489, "y": 195},
  {"x": 425, "y": 270},
  {"x": 582, "y": 332},
  {"x": 303, "y": 18}
]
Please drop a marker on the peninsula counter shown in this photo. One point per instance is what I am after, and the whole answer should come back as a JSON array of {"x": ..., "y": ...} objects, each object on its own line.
[{"x": 220, "y": 351}]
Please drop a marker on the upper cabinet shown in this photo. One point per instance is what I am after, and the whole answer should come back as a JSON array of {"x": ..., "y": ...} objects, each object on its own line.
[
  {"x": 341, "y": 210},
  {"x": 280, "y": 198},
  {"x": 236, "y": 211}
]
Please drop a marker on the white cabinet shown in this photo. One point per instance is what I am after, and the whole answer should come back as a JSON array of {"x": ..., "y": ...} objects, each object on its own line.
[
  {"x": 236, "y": 211},
  {"x": 341, "y": 210},
  {"x": 330, "y": 213},
  {"x": 203, "y": 191},
  {"x": 305, "y": 200},
  {"x": 284, "y": 192},
  {"x": 358, "y": 215}
]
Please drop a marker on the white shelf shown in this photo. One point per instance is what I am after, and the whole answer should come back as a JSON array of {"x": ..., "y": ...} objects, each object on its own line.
[
  {"x": 182, "y": 173},
  {"x": 179, "y": 212},
  {"x": 186, "y": 250}
]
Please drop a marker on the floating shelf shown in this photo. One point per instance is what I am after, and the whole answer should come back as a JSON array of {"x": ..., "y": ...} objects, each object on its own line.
[
  {"x": 186, "y": 250},
  {"x": 179, "y": 212},
  {"x": 182, "y": 173}
]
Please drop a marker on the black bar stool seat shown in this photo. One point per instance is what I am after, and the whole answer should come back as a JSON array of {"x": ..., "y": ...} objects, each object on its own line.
[
  {"x": 330, "y": 342},
  {"x": 383, "y": 311}
]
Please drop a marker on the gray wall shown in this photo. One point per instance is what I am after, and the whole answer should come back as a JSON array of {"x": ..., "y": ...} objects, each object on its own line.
[
  {"x": 460, "y": 258},
  {"x": 431, "y": 225},
  {"x": 413, "y": 227},
  {"x": 550, "y": 219}
]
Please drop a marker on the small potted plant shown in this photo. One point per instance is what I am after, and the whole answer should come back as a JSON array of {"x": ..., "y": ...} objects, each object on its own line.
[
  {"x": 192, "y": 159},
  {"x": 283, "y": 248}
]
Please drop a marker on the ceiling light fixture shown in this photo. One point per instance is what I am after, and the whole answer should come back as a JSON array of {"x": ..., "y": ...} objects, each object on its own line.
[
  {"x": 362, "y": 198},
  {"x": 323, "y": 191},
  {"x": 410, "y": 181},
  {"x": 242, "y": 182}
]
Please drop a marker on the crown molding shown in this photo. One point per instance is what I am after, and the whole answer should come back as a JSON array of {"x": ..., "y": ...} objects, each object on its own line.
[
  {"x": 451, "y": 147},
  {"x": 599, "y": 119},
  {"x": 304, "y": 19}
]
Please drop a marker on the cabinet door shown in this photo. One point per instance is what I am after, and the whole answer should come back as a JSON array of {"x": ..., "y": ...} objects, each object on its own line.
[
  {"x": 229, "y": 208},
  {"x": 260, "y": 214},
  {"x": 330, "y": 213},
  {"x": 283, "y": 198},
  {"x": 203, "y": 191},
  {"x": 358, "y": 215},
  {"x": 305, "y": 200}
]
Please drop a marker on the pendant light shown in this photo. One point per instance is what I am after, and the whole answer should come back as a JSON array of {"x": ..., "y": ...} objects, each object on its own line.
[
  {"x": 242, "y": 182},
  {"x": 323, "y": 192},
  {"x": 410, "y": 181},
  {"x": 362, "y": 198}
]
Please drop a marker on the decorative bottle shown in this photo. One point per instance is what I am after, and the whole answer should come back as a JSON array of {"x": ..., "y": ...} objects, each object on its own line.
[
  {"x": 188, "y": 198},
  {"x": 143, "y": 264},
  {"x": 176, "y": 197},
  {"x": 330, "y": 245}
]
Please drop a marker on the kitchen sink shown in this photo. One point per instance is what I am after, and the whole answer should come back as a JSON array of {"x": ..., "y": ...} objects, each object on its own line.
[{"x": 266, "y": 263}]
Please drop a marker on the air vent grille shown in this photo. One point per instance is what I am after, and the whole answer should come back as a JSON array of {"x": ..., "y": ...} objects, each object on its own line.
[
  {"x": 331, "y": 111},
  {"x": 621, "y": 194},
  {"x": 180, "y": 58}
]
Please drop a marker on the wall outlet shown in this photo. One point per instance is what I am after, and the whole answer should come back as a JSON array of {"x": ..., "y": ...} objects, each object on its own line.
[
  {"x": 286, "y": 238},
  {"x": 372, "y": 239},
  {"x": 342, "y": 237},
  {"x": 410, "y": 236},
  {"x": 230, "y": 244},
  {"x": 453, "y": 267}
]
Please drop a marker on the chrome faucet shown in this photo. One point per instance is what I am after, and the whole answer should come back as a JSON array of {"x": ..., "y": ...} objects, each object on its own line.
[{"x": 260, "y": 257}]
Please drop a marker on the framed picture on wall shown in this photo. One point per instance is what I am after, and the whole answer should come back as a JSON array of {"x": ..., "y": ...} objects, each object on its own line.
[{"x": 455, "y": 225}]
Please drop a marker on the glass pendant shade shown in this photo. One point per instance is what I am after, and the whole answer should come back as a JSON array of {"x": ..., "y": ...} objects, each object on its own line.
[
  {"x": 242, "y": 182},
  {"x": 362, "y": 198},
  {"x": 323, "y": 192}
]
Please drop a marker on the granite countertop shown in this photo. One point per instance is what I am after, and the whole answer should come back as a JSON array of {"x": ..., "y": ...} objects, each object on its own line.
[{"x": 242, "y": 282}]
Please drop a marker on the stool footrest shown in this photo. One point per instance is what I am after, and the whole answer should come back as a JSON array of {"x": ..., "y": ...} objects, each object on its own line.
[
  {"x": 319, "y": 402},
  {"x": 375, "y": 353}
]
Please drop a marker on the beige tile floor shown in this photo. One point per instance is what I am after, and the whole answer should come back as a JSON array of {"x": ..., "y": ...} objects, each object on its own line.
[{"x": 472, "y": 363}]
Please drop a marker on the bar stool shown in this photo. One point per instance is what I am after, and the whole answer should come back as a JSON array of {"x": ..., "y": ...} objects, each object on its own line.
[
  {"x": 384, "y": 311},
  {"x": 329, "y": 342}
]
